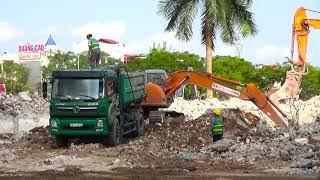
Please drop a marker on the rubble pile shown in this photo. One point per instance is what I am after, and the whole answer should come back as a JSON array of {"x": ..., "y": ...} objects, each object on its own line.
[
  {"x": 303, "y": 111},
  {"x": 22, "y": 112},
  {"x": 300, "y": 111},
  {"x": 7, "y": 155},
  {"x": 295, "y": 148},
  {"x": 22, "y": 104},
  {"x": 172, "y": 140},
  {"x": 37, "y": 139}
]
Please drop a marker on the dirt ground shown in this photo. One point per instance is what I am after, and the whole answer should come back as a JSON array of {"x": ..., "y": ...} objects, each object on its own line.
[{"x": 175, "y": 149}]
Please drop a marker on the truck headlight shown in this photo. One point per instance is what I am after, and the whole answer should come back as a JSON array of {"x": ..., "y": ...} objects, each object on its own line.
[
  {"x": 100, "y": 123},
  {"x": 53, "y": 124}
]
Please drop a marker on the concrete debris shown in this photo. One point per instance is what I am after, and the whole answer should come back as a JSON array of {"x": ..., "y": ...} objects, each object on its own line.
[
  {"x": 5, "y": 142},
  {"x": 301, "y": 141},
  {"x": 7, "y": 155},
  {"x": 22, "y": 112},
  {"x": 222, "y": 145},
  {"x": 58, "y": 160},
  {"x": 24, "y": 96},
  {"x": 315, "y": 140},
  {"x": 301, "y": 112}
]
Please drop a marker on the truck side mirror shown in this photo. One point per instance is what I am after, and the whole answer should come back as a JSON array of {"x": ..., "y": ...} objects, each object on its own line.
[{"x": 44, "y": 90}]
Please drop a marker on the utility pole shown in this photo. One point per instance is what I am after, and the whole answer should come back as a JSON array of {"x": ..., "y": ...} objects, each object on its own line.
[
  {"x": 4, "y": 53},
  {"x": 78, "y": 59}
]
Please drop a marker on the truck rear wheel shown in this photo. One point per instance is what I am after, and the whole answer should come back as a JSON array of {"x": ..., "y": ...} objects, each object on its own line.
[
  {"x": 139, "y": 125},
  {"x": 114, "y": 136}
]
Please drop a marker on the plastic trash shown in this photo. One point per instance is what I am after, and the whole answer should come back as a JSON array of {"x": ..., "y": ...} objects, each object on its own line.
[{"x": 186, "y": 155}]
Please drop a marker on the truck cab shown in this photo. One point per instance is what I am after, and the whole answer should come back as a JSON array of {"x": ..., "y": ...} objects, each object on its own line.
[{"x": 102, "y": 104}]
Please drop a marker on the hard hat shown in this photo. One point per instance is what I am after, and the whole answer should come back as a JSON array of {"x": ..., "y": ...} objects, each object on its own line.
[{"x": 217, "y": 112}]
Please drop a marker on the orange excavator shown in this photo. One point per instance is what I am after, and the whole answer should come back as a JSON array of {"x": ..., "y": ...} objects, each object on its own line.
[
  {"x": 157, "y": 94},
  {"x": 300, "y": 32}
]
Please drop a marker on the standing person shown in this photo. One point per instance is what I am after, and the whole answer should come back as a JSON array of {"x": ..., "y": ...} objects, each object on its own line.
[
  {"x": 94, "y": 52},
  {"x": 217, "y": 128}
]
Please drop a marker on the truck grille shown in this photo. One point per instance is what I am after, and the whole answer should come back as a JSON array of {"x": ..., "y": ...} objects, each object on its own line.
[
  {"x": 78, "y": 110},
  {"x": 84, "y": 128}
]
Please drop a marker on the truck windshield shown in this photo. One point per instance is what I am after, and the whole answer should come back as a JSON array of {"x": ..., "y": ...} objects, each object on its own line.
[{"x": 77, "y": 89}]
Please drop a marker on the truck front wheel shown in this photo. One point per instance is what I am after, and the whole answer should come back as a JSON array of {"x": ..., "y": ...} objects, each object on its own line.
[
  {"x": 61, "y": 141},
  {"x": 114, "y": 136}
]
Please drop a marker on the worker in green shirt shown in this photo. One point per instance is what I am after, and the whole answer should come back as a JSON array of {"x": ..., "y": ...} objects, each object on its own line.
[
  {"x": 217, "y": 128},
  {"x": 94, "y": 52}
]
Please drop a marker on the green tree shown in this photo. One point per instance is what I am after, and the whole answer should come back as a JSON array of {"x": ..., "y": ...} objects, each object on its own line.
[
  {"x": 61, "y": 61},
  {"x": 170, "y": 61},
  {"x": 310, "y": 84},
  {"x": 15, "y": 77},
  {"x": 234, "y": 68},
  {"x": 266, "y": 76},
  {"x": 223, "y": 17}
]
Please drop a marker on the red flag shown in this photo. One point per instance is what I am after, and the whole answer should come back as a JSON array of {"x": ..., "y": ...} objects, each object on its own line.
[{"x": 108, "y": 41}]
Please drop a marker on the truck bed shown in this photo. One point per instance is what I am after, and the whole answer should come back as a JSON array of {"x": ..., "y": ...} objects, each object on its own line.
[{"x": 132, "y": 88}]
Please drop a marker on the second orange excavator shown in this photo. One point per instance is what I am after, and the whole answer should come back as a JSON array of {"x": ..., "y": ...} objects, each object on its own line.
[{"x": 300, "y": 34}]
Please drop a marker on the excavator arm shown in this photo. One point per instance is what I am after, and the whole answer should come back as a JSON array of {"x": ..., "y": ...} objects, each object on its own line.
[
  {"x": 300, "y": 34},
  {"x": 300, "y": 31},
  {"x": 236, "y": 89}
]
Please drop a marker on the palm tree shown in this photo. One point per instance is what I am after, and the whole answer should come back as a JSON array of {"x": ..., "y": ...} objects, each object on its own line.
[{"x": 227, "y": 18}]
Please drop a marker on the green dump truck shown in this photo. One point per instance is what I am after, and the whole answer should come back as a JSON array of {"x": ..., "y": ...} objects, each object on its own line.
[{"x": 103, "y": 104}]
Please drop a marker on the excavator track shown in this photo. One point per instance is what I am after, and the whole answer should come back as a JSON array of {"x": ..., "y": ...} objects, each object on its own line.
[
  {"x": 157, "y": 117},
  {"x": 162, "y": 116}
]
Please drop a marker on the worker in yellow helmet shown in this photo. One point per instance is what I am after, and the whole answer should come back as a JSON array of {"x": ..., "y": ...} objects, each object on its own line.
[
  {"x": 94, "y": 52},
  {"x": 217, "y": 128}
]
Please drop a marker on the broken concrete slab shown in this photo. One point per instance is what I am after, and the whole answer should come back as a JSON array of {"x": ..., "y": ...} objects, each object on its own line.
[
  {"x": 24, "y": 96},
  {"x": 314, "y": 140},
  {"x": 302, "y": 141}
]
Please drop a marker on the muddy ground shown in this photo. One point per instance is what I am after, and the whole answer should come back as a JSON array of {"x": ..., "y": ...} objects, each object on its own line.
[{"x": 177, "y": 149}]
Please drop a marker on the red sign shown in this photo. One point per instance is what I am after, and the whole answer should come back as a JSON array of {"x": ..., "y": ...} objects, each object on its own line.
[
  {"x": 2, "y": 89},
  {"x": 30, "y": 51},
  {"x": 31, "y": 48}
]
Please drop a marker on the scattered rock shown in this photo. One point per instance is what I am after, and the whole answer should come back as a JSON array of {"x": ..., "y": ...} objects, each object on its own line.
[
  {"x": 201, "y": 140},
  {"x": 301, "y": 141},
  {"x": 24, "y": 96},
  {"x": 58, "y": 160},
  {"x": 315, "y": 140},
  {"x": 222, "y": 145},
  {"x": 7, "y": 156},
  {"x": 285, "y": 155}
]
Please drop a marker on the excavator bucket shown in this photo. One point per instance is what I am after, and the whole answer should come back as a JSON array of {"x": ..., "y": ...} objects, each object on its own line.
[
  {"x": 289, "y": 90},
  {"x": 267, "y": 106}
]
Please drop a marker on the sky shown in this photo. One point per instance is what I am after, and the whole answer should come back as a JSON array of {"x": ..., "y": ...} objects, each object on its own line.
[{"x": 137, "y": 25}]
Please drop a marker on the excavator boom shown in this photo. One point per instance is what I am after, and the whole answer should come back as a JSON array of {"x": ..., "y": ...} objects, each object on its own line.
[{"x": 236, "y": 89}]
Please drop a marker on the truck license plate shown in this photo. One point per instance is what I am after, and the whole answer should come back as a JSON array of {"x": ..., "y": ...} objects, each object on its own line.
[{"x": 76, "y": 125}]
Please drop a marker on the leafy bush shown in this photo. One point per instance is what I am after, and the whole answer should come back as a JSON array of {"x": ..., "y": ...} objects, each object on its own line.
[
  {"x": 310, "y": 84},
  {"x": 15, "y": 77}
]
